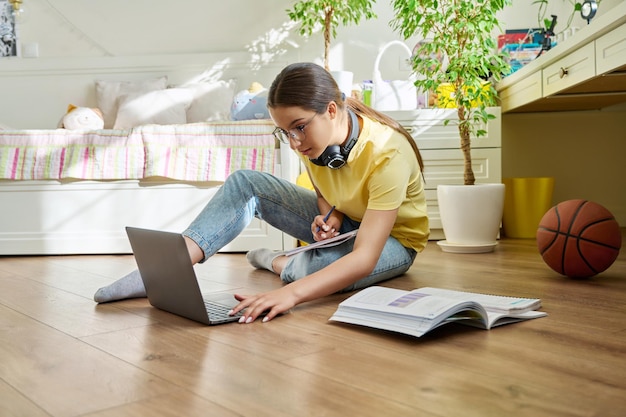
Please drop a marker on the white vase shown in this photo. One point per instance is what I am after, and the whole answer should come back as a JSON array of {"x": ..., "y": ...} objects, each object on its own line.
[{"x": 470, "y": 216}]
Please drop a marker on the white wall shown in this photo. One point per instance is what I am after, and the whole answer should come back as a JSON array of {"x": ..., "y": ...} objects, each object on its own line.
[
  {"x": 81, "y": 38},
  {"x": 88, "y": 28}
]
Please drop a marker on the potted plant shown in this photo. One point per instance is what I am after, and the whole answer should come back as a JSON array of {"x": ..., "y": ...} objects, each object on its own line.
[
  {"x": 313, "y": 15},
  {"x": 463, "y": 32}
]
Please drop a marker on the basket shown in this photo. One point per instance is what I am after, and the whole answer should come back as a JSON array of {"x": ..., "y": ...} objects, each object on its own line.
[{"x": 394, "y": 94}]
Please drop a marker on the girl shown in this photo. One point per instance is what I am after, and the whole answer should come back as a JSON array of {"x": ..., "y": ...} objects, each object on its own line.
[{"x": 361, "y": 163}]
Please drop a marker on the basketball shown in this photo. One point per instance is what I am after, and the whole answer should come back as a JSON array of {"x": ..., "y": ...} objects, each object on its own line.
[{"x": 579, "y": 238}]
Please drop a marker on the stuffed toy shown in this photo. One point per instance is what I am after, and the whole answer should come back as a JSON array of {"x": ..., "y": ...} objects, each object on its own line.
[
  {"x": 82, "y": 118},
  {"x": 250, "y": 104}
]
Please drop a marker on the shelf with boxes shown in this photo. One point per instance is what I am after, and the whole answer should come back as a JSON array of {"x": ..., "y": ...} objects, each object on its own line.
[{"x": 439, "y": 145}]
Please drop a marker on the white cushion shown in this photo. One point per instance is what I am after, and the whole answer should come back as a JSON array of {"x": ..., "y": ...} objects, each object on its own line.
[
  {"x": 211, "y": 100},
  {"x": 162, "y": 107},
  {"x": 109, "y": 92}
]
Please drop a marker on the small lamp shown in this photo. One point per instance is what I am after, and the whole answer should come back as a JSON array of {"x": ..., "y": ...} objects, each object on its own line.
[{"x": 588, "y": 10}]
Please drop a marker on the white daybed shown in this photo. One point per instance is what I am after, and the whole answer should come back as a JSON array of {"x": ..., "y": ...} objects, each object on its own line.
[{"x": 72, "y": 192}]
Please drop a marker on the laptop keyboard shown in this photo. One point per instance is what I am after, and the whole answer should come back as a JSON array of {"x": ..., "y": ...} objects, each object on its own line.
[{"x": 217, "y": 310}]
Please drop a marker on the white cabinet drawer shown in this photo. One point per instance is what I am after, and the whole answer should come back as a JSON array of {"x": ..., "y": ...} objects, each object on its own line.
[
  {"x": 428, "y": 128},
  {"x": 569, "y": 71},
  {"x": 445, "y": 166},
  {"x": 105, "y": 209},
  {"x": 611, "y": 50},
  {"x": 523, "y": 92}
]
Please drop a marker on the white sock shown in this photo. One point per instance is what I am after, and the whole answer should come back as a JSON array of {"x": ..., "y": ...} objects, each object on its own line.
[
  {"x": 129, "y": 286},
  {"x": 263, "y": 258}
]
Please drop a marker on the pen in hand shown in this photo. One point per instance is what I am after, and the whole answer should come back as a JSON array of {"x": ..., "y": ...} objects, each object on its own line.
[{"x": 327, "y": 216}]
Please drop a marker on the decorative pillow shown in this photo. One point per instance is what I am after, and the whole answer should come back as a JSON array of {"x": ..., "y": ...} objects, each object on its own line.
[
  {"x": 82, "y": 118},
  {"x": 250, "y": 104},
  {"x": 211, "y": 100},
  {"x": 162, "y": 107},
  {"x": 108, "y": 93}
]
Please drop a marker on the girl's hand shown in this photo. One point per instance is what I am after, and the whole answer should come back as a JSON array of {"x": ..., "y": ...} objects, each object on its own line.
[
  {"x": 273, "y": 302},
  {"x": 326, "y": 229}
]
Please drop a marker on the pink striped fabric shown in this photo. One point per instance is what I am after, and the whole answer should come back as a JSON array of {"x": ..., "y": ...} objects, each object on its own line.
[
  {"x": 60, "y": 153},
  {"x": 208, "y": 151},
  {"x": 191, "y": 152}
]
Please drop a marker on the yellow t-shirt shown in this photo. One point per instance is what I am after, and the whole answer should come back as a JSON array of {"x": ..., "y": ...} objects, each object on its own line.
[{"x": 382, "y": 173}]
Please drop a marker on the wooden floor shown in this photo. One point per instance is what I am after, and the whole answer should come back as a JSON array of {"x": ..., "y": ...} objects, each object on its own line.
[{"x": 63, "y": 355}]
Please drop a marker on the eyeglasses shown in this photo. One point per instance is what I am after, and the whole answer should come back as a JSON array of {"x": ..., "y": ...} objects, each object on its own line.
[{"x": 297, "y": 133}]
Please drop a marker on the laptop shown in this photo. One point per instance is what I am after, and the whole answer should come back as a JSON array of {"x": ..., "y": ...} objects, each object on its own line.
[{"x": 170, "y": 280}]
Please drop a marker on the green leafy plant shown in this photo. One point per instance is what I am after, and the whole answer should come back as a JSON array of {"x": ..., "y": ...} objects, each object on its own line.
[
  {"x": 463, "y": 32},
  {"x": 314, "y": 15}
]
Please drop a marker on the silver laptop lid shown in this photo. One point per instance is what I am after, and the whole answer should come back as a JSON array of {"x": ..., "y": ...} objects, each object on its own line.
[{"x": 167, "y": 272}]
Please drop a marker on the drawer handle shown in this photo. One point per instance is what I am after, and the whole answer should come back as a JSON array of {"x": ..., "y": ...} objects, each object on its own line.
[
  {"x": 563, "y": 72},
  {"x": 408, "y": 128}
]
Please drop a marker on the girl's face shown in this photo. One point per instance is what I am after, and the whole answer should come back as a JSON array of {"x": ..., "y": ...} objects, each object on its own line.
[{"x": 307, "y": 132}]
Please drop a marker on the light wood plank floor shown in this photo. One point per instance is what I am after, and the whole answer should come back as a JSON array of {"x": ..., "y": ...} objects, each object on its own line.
[{"x": 63, "y": 355}]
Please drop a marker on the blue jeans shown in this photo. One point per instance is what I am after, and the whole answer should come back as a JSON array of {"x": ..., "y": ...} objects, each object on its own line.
[{"x": 291, "y": 209}]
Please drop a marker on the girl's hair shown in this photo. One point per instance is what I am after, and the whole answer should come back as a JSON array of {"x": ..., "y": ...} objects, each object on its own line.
[{"x": 311, "y": 87}]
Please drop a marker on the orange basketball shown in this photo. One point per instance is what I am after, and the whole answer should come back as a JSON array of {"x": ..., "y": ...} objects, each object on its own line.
[{"x": 579, "y": 238}]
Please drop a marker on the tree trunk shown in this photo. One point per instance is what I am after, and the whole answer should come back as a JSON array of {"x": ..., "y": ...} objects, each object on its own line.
[
  {"x": 328, "y": 18},
  {"x": 464, "y": 133}
]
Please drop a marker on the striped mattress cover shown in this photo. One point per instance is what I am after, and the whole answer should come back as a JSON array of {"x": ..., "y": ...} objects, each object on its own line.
[{"x": 191, "y": 152}]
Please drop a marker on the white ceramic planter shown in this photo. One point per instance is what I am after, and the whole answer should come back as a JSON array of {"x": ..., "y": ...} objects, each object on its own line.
[{"x": 470, "y": 216}]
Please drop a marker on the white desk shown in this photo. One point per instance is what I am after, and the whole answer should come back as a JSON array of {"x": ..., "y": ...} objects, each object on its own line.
[{"x": 585, "y": 72}]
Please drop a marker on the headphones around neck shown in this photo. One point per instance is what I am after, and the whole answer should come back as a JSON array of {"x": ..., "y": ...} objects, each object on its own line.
[{"x": 335, "y": 156}]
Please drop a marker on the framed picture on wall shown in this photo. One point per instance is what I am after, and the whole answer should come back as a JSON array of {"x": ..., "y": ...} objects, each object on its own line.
[{"x": 8, "y": 34}]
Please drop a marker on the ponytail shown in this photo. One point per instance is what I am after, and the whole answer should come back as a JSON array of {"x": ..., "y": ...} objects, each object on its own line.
[{"x": 362, "y": 109}]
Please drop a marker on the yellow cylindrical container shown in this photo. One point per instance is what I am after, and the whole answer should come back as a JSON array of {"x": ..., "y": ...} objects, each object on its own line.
[
  {"x": 303, "y": 180},
  {"x": 446, "y": 95},
  {"x": 526, "y": 200}
]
